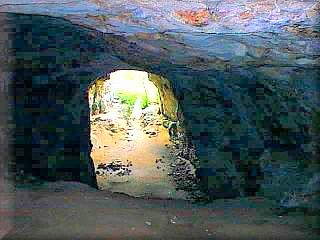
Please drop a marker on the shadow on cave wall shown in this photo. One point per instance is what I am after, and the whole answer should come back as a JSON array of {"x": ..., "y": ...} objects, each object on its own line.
[{"x": 51, "y": 113}]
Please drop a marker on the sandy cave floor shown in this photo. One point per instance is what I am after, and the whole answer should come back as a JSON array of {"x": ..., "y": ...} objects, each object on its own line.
[
  {"x": 133, "y": 157},
  {"x": 69, "y": 210}
]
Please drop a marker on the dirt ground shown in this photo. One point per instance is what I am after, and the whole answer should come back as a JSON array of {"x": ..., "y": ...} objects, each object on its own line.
[
  {"x": 69, "y": 210},
  {"x": 133, "y": 156}
]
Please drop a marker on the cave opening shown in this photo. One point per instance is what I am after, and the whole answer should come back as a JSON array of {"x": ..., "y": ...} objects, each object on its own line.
[{"x": 133, "y": 132}]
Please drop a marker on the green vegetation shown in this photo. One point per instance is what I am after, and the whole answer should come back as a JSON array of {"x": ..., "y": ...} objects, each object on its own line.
[
  {"x": 131, "y": 88},
  {"x": 127, "y": 97},
  {"x": 145, "y": 102},
  {"x": 130, "y": 98}
]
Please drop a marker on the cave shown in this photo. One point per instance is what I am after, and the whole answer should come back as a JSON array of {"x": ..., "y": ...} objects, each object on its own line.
[
  {"x": 137, "y": 136},
  {"x": 237, "y": 101}
]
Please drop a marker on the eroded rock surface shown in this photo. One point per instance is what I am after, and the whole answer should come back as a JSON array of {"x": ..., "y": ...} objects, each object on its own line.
[{"x": 246, "y": 80}]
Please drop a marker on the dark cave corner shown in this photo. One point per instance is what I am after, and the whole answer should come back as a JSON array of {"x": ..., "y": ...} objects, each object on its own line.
[{"x": 50, "y": 132}]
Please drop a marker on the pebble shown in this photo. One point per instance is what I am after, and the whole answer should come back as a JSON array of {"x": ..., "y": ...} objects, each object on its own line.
[{"x": 173, "y": 220}]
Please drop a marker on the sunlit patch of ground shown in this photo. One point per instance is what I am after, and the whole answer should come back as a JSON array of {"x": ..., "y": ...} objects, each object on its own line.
[{"x": 133, "y": 159}]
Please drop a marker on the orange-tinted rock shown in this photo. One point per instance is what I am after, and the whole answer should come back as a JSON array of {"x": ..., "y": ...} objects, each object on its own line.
[
  {"x": 246, "y": 15},
  {"x": 195, "y": 18}
]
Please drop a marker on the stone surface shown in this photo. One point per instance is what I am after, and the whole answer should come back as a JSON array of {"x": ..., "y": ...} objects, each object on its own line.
[
  {"x": 69, "y": 210},
  {"x": 96, "y": 93},
  {"x": 246, "y": 81},
  {"x": 168, "y": 101},
  {"x": 305, "y": 196}
]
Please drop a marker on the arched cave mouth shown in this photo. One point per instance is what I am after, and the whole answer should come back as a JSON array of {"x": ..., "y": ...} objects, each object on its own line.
[{"x": 137, "y": 136}]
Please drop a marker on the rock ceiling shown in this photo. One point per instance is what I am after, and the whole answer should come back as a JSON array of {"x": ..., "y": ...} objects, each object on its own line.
[
  {"x": 132, "y": 16},
  {"x": 239, "y": 33}
]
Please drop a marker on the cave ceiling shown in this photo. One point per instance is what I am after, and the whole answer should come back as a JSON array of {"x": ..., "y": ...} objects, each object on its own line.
[{"x": 199, "y": 34}]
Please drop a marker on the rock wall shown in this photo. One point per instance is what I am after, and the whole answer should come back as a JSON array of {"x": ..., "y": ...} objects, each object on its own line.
[
  {"x": 169, "y": 103},
  {"x": 6, "y": 153},
  {"x": 237, "y": 105},
  {"x": 97, "y": 91},
  {"x": 50, "y": 108}
]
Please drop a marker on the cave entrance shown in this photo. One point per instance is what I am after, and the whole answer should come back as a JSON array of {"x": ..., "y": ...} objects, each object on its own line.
[{"x": 130, "y": 119}]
